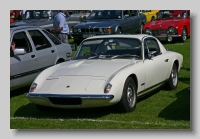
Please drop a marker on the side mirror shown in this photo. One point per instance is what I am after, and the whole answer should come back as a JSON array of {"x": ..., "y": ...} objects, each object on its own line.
[
  {"x": 151, "y": 54},
  {"x": 74, "y": 47},
  {"x": 20, "y": 51}
]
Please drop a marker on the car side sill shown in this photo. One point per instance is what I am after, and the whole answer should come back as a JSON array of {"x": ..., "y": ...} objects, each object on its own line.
[{"x": 149, "y": 90}]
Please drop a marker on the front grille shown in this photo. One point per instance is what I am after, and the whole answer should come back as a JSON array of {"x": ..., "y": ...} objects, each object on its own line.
[
  {"x": 159, "y": 31},
  {"x": 89, "y": 30},
  {"x": 65, "y": 101}
]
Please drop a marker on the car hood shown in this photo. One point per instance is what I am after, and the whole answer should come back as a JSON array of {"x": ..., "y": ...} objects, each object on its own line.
[
  {"x": 100, "y": 68},
  {"x": 96, "y": 23},
  {"x": 164, "y": 23}
]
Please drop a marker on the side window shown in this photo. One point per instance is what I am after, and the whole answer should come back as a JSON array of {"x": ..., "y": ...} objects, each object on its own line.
[
  {"x": 134, "y": 12},
  {"x": 39, "y": 40},
  {"x": 53, "y": 38},
  {"x": 21, "y": 41},
  {"x": 152, "y": 46}
]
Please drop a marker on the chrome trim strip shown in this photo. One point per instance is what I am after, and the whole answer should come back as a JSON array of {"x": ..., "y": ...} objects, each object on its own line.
[{"x": 29, "y": 95}]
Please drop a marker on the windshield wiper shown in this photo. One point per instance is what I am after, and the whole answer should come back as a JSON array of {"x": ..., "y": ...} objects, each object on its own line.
[{"x": 125, "y": 55}]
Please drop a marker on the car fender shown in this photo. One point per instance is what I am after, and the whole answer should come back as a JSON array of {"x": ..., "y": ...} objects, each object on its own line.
[{"x": 118, "y": 79}]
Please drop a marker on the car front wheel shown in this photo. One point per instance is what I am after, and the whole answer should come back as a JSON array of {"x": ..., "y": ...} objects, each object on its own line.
[
  {"x": 173, "y": 78},
  {"x": 129, "y": 97}
]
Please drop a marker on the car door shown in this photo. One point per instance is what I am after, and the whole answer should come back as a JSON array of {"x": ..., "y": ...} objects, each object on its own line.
[
  {"x": 135, "y": 21},
  {"x": 46, "y": 52},
  {"x": 155, "y": 66},
  {"x": 126, "y": 23},
  {"x": 23, "y": 68}
]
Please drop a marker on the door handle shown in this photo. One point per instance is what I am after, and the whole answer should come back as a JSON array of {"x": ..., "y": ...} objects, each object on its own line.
[
  {"x": 32, "y": 56},
  {"x": 52, "y": 51},
  {"x": 166, "y": 60}
]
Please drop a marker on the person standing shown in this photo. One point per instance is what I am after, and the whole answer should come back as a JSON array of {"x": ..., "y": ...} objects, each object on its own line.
[{"x": 60, "y": 26}]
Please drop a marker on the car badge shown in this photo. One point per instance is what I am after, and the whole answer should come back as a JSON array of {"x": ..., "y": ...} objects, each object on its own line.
[{"x": 68, "y": 86}]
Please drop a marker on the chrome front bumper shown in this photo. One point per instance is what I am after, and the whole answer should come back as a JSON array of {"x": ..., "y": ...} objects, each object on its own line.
[{"x": 70, "y": 101}]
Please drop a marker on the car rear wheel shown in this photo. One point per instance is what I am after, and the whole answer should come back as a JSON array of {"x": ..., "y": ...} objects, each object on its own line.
[
  {"x": 152, "y": 18},
  {"x": 173, "y": 78},
  {"x": 119, "y": 31},
  {"x": 128, "y": 100},
  {"x": 141, "y": 28},
  {"x": 184, "y": 34}
]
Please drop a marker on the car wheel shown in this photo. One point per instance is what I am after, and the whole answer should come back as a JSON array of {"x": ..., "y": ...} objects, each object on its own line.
[
  {"x": 129, "y": 97},
  {"x": 141, "y": 28},
  {"x": 119, "y": 31},
  {"x": 184, "y": 34},
  {"x": 152, "y": 18},
  {"x": 173, "y": 78}
]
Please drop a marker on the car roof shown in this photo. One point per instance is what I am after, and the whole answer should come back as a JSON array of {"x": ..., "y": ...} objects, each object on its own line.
[
  {"x": 138, "y": 36},
  {"x": 13, "y": 28}
]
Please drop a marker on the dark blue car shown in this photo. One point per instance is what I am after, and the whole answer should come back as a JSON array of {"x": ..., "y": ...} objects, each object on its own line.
[{"x": 101, "y": 22}]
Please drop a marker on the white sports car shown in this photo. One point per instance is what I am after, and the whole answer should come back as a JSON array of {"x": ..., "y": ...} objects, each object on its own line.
[{"x": 108, "y": 70}]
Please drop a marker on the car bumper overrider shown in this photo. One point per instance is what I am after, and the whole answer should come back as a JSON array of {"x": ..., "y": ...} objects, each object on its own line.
[{"x": 70, "y": 101}]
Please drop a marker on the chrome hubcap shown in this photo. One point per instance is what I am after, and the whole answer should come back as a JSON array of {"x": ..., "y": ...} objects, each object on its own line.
[
  {"x": 131, "y": 95},
  {"x": 174, "y": 76},
  {"x": 184, "y": 35}
]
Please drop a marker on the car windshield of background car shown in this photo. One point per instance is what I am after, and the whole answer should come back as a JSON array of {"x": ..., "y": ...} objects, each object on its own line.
[
  {"x": 163, "y": 14},
  {"x": 109, "y": 47},
  {"x": 105, "y": 14}
]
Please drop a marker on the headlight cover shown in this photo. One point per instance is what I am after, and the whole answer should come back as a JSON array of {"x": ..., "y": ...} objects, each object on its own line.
[
  {"x": 33, "y": 87},
  {"x": 171, "y": 29}
]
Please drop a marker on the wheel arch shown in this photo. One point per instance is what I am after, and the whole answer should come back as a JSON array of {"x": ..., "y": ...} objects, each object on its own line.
[
  {"x": 60, "y": 60},
  {"x": 134, "y": 77}
]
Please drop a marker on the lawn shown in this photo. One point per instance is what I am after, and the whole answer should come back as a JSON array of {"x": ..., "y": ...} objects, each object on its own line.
[{"x": 161, "y": 110}]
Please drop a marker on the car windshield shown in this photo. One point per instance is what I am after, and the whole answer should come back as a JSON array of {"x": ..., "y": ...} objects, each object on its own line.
[
  {"x": 105, "y": 14},
  {"x": 109, "y": 48},
  {"x": 39, "y": 14},
  {"x": 163, "y": 14}
]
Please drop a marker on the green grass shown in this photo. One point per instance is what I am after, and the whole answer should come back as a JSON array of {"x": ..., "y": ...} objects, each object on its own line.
[{"x": 161, "y": 110}]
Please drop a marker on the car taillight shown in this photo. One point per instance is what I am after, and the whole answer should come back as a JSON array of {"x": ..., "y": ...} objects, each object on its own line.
[{"x": 33, "y": 87}]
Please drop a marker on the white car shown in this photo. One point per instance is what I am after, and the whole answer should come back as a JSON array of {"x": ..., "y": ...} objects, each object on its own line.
[
  {"x": 35, "y": 50},
  {"x": 108, "y": 70}
]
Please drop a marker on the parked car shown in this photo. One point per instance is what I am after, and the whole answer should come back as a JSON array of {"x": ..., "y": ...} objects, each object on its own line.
[
  {"x": 36, "y": 49},
  {"x": 107, "y": 70},
  {"x": 102, "y": 22},
  {"x": 170, "y": 24},
  {"x": 44, "y": 18},
  {"x": 12, "y": 17},
  {"x": 150, "y": 14}
]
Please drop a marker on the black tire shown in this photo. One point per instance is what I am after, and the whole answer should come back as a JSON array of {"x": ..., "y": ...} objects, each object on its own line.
[
  {"x": 184, "y": 34},
  {"x": 152, "y": 18},
  {"x": 173, "y": 78},
  {"x": 119, "y": 31},
  {"x": 128, "y": 100}
]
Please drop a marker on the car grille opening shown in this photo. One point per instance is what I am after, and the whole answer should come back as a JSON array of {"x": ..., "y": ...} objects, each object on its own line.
[
  {"x": 65, "y": 101},
  {"x": 160, "y": 31}
]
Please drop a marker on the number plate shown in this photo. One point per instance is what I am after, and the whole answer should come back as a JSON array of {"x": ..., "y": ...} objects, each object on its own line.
[
  {"x": 88, "y": 35},
  {"x": 162, "y": 38}
]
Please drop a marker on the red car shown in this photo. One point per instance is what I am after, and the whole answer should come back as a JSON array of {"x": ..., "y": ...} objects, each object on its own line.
[{"x": 170, "y": 24}]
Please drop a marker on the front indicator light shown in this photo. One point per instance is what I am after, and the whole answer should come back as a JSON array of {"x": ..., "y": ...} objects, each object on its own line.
[
  {"x": 33, "y": 87},
  {"x": 107, "y": 88},
  {"x": 109, "y": 30}
]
